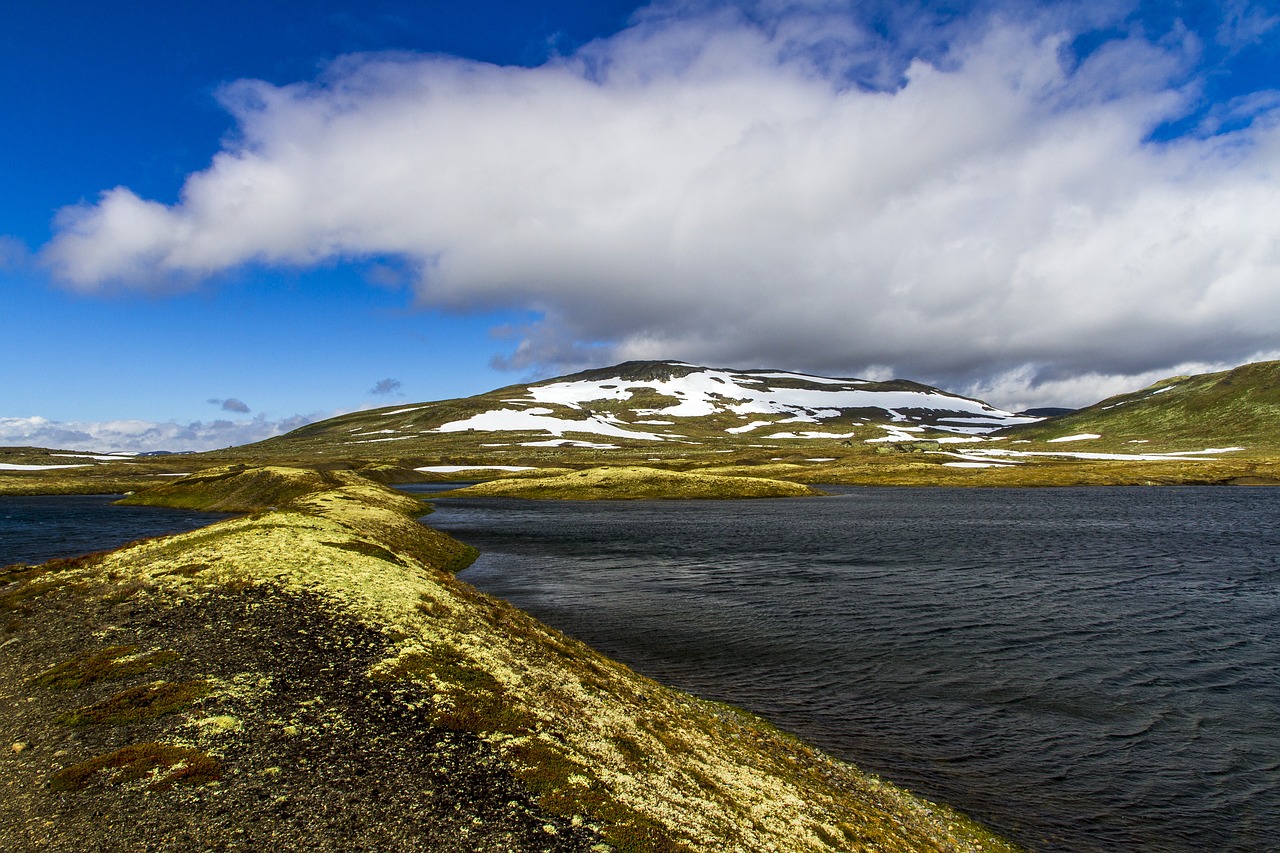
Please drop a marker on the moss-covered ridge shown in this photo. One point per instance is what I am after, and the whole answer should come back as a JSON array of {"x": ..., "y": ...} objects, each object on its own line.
[
  {"x": 636, "y": 482},
  {"x": 651, "y": 768},
  {"x": 1240, "y": 406},
  {"x": 240, "y": 488}
]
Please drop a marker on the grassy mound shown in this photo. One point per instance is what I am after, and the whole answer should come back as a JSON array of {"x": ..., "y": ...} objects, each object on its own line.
[
  {"x": 236, "y": 488},
  {"x": 634, "y": 483},
  {"x": 642, "y": 766}
]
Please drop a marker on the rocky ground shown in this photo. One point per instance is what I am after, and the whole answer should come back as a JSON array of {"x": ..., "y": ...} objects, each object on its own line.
[{"x": 293, "y": 745}]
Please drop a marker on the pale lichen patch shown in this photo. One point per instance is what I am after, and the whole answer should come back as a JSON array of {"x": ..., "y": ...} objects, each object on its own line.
[{"x": 655, "y": 769}]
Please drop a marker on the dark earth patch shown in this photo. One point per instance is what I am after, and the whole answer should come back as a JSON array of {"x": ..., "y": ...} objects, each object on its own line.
[{"x": 292, "y": 747}]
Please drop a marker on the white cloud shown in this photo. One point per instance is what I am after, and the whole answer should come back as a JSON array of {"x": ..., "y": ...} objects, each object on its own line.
[
  {"x": 705, "y": 188},
  {"x": 1022, "y": 388},
  {"x": 142, "y": 436}
]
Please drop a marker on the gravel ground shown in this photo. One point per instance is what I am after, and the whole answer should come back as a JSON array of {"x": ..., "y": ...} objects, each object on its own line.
[{"x": 292, "y": 747}]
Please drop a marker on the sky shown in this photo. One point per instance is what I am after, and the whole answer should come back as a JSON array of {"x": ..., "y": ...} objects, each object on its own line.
[{"x": 222, "y": 221}]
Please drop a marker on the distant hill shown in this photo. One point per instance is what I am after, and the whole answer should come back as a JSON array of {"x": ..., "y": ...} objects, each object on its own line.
[
  {"x": 1239, "y": 407},
  {"x": 653, "y": 405},
  {"x": 779, "y": 425}
]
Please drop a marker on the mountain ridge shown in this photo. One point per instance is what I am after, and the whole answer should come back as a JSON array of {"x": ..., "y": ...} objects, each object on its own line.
[
  {"x": 625, "y": 402},
  {"x": 1220, "y": 427},
  {"x": 1237, "y": 406}
]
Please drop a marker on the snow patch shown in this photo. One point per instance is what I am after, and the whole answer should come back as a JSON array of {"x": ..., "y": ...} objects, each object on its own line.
[
  {"x": 453, "y": 469},
  {"x": 541, "y": 420},
  {"x": 708, "y": 392},
  {"x": 1183, "y": 456},
  {"x": 897, "y": 433},
  {"x": 1083, "y": 436},
  {"x": 805, "y": 377},
  {"x": 568, "y": 442},
  {"x": 738, "y": 430},
  {"x": 17, "y": 466}
]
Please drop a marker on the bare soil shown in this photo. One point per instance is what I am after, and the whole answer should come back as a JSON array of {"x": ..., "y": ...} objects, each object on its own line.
[{"x": 304, "y": 751}]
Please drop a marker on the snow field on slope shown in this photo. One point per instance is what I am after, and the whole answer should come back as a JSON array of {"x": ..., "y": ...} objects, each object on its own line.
[
  {"x": 711, "y": 392},
  {"x": 702, "y": 394}
]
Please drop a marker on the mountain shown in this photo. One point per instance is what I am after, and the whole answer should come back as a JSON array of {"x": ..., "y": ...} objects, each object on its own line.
[
  {"x": 1238, "y": 407},
  {"x": 1215, "y": 428},
  {"x": 653, "y": 406}
]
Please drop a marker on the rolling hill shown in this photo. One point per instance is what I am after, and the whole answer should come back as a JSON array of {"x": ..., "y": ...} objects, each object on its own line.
[
  {"x": 661, "y": 408},
  {"x": 1238, "y": 407},
  {"x": 1213, "y": 428}
]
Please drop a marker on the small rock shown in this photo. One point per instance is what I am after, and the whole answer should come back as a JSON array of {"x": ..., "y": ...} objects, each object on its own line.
[{"x": 20, "y": 746}]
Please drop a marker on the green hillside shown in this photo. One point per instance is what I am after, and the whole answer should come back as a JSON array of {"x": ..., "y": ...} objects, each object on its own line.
[{"x": 1234, "y": 408}]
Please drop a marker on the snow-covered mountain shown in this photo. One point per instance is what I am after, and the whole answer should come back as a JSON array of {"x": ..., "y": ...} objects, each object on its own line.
[
  {"x": 658, "y": 402},
  {"x": 630, "y": 400}
]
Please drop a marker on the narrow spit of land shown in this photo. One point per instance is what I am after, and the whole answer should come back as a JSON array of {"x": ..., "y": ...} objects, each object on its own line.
[
  {"x": 312, "y": 676},
  {"x": 635, "y": 483}
]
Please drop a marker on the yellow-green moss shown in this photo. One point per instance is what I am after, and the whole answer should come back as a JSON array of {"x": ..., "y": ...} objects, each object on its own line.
[
  {"x": 165, "y": 764},
  {"x": 635, "y": 482},
  {"x": 654, "y": 768},
  {"x": 109, "y": 664},
  {"x": 144, "y": 702}
]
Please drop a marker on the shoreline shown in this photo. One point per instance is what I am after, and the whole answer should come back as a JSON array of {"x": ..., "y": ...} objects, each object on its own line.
[{"x": 641, "y": 765}]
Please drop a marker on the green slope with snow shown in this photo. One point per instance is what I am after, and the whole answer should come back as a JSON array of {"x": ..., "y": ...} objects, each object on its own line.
[{"x": 1234, "y": 408}]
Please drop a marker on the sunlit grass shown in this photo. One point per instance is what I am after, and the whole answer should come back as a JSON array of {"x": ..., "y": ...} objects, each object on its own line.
[{"x": 650, "y": 767}]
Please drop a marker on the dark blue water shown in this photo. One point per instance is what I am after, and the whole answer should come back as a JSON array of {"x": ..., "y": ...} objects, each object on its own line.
[
  {"x": 1082, "y": 669},
  {"x": 35, "y": 529}
]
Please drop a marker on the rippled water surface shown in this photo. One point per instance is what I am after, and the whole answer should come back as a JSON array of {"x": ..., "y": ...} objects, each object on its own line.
[
  {"x": 35, "y": 529},
  {"x": 1084, "y": 670}
]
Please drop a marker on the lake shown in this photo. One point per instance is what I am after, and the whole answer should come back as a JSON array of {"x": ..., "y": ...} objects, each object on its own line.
[
  {"x": 35, "y": 529},
  {"x": 1081, "y": 669}
]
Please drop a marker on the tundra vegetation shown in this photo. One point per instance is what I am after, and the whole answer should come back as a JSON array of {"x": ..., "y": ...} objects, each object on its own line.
[
  {"x": 311, "y": 674},
  {"x": 635, "y": 483},
  {"x": 1215, "y": 428}
]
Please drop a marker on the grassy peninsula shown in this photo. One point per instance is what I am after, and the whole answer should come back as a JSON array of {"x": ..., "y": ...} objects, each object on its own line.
[
  {"x": 311, "y": 675},
  {"x": 635, "y": 482}
]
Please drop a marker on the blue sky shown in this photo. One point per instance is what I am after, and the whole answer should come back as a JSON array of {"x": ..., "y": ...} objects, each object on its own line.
[{"x": 219, "y": 221}]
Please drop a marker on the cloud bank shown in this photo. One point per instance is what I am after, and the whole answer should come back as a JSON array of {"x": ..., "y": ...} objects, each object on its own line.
[
  {"x": 982, "y": 204},
  {"x": 142, "y": 436}
]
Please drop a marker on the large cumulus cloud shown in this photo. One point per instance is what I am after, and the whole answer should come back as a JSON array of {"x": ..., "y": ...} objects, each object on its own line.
[{"x": 989, "y": 209}]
